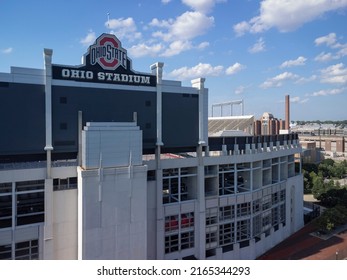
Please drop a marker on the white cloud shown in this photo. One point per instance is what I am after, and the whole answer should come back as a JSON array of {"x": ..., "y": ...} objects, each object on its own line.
[
  {"x": 324, "y": 57},
  {"x": 303, "y": 80},
  {"x": 327, "y": 92},
  {"x": 288, "y": 15},
  {"x": 7, "y": 50},
  {"x": 198, "y": 71},
  {"x": 259, "y": 46},
  {"x": 241, "y": 28},
  {"x": 185, "y": 27},
  {"x": 334, "y": 74},
  {"x": 165, "y": 1},
  {"x": 124, "y": 28},
  {"x": 203, "y": 45},
  {"x": 328, "y": 40},
  {"x": 241, "y": 89},
  {"x": 278, "y": 80},
  {"x": 296, "y": 62},
  {"x": 233, "y": 69},
  {"x": 204, "y": 6},
  {"x": 177, "y": 47},
  {"x": 88, "y": 39},
  {"x": 141, "y": 50}
]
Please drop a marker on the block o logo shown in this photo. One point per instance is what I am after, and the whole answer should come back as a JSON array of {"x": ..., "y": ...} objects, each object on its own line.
[{"x": 108, "y": 53}]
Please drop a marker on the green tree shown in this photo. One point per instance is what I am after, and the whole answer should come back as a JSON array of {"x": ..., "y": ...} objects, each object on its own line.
[
  {"x": 318, "y": 187},
  {"x": 332, "y": 218}
]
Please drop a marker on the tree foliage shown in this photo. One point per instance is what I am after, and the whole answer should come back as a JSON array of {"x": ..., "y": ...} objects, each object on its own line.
[{"x": 332, "y": 218}]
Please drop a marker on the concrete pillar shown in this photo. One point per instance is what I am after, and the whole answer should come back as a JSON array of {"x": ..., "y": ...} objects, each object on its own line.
[
  {"x": 157, "y": 69},
  {"x": 47, "y": 54}
]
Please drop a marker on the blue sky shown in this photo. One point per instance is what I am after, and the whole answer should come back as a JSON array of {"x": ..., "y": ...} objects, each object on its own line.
[{"x": 258, "y": 51}]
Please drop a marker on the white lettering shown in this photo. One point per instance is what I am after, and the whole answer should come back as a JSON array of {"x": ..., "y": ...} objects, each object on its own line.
[
  {"x": 145, "y": 80},
  {"x": 65, "y": 73},
  {"x": 101, "y": 76},
  {"x": 89, "y": 75},
  {"x": 125, "y": 78}
]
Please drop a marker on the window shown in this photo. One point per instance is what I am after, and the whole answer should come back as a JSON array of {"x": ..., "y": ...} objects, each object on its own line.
[
  {"x": 226, "y": 183},
  {"x": 226, "y": 213},
  {"x": 179, "y": 232},
  {"x": 226, "y": 233},
  {"x": 5, "y": 252},
  {"x": 175, "y": 222},
  {"x": 28, "y": 250},
  {"x": 275, "y": 216},
  {"x": 175, "y": 184},
  {"x": 282, "y": 195},
  {"x": 211, "y": 216},
  {"x": 187, "y": 240},
  {"x": 267, "y": 202},
  {"x": 266, "y": 219},
  {"x": 275, "y": 198},
  {"x": 171, "y": 223},
  {"x": 256, "y": 206},
  {"x": 211, "y": 239},
  {"x": 5, "y": 205},
  {"x": 170, "y": 190},
  {"x": 30, "y": 202},
  {"x": 257, "y": 226},
  {"x": 243, "y": 231},
  {"x": 243, "y": 209},
  {"x": 64, "y": 184},
  {"x": 171, "y": 243}
]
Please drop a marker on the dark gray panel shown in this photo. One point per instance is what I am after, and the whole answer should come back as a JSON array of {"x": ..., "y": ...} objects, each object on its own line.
[
  {"x": 22, "y": 118},
  {"x": 100, "y": 105},
  {"x": 180, "y": 120}
]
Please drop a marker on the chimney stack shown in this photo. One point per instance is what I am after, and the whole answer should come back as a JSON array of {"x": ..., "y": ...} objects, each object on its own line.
[{"x": 287, "y": 112}]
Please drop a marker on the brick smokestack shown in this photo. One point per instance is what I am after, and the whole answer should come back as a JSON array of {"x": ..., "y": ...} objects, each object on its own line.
[{"x": 287, "y": 112}]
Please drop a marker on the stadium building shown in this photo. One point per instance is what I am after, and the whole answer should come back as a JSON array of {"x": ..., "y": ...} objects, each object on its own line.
[{"x": 98, "y": 161}]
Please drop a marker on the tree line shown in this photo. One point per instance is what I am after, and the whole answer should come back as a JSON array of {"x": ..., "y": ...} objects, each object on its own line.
[{"x": 321, "y": 180}]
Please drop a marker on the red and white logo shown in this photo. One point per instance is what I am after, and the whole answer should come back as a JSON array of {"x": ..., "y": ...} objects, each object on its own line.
[{"x": 108, "y": 53}]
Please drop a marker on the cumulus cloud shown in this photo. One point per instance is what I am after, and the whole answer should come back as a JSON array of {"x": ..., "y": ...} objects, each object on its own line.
[
  {"x": 327, "y": 92},
  {"x": 259, "y": 46},
  {"x": 200, "y": 70},
  {"x": 298, "y": 100},
  {"x": 124, "y": 28},
  {"x": 278, "y": 80},
  {"x": 142, "y": 49},
  {"x": 233, "y": 69},
  {"x": 287, "y": 15},
  {"x": 324, "y": 57},
  {"x": 7, "y": 50},
  {"x": 204, "y": 6},
  {"x": 88, "y": 39},
  {"x": 330, "y": 40},
  {"x": 334, "y": 74},
  {"x": 185, "y": 27},
  {"x": 296, "y": 62},
  {"x": 303, "y": 80}
]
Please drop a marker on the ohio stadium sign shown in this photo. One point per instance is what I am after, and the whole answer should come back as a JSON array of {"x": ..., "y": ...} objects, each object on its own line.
[{"x": 105, "y": 62}]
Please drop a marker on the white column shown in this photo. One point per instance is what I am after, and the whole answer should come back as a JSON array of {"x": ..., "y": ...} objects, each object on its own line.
[
  {"x": 199, "y": 84},
  {"x": 157, "y": 69},
  {"x": 48, "y": 106}
]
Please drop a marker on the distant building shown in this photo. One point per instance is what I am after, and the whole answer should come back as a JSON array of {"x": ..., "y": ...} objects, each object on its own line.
[{"x": 102, "y": 162}]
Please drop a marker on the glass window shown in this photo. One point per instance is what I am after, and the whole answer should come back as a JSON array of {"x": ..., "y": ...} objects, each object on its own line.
[
  {"x": 243, "y": 209},
  {"x": 226, "y": 234},
  {"x": 28, "y": 250},
  {"x": 226, "y": 213}
]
